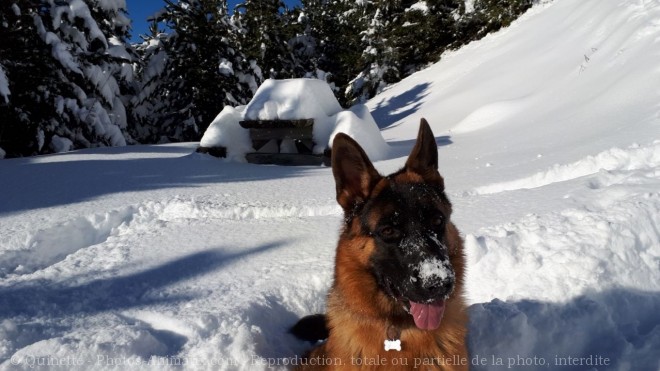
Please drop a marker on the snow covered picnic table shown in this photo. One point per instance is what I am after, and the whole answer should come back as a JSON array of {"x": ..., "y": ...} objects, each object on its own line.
[
  {"x": 291, "y": 122},
  {"x": 279, "y": 142},
  {"x": 283, "y": 142}
]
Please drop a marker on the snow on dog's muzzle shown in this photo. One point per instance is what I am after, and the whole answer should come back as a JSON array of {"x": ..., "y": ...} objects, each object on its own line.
[{"x": 436, "y": 275}]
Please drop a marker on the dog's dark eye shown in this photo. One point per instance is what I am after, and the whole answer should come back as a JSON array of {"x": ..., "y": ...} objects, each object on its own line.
[
  {"x": 389, "y": 233},
  {"x": 437, "y": 220}
]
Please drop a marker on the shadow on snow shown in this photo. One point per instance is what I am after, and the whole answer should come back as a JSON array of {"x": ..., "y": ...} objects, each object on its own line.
[
  {"x": 389, "y": 111},
  {"x": 145, "y": 288},
  {"x": 402, "y": 148},
  {"x": 46, "y": 184}
]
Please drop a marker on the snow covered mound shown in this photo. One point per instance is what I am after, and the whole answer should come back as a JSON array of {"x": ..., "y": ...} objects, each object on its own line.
[
  {"x": 291, "y": 100},
  {"x": 295, "y": 99}
]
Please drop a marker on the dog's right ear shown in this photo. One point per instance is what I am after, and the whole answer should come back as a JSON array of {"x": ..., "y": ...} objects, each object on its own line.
[
  {"x": 355, "y": 175},
  {"x": 423, "y": 159}
]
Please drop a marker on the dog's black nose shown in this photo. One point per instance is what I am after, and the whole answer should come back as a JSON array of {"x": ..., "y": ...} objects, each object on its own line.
[
  {"x": 437, "y": 289},
  {"x": 434, "y": 277}
]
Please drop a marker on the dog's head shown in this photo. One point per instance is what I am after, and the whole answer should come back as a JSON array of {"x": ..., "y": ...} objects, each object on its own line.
[{"x": 408, "y": 246}]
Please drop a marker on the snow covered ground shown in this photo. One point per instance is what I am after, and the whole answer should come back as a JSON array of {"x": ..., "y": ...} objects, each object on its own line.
[{"x": 549, "y": 141}]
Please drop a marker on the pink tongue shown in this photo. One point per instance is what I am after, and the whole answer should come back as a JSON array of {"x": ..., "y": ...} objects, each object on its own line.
[{"x": 427, "y": 316}]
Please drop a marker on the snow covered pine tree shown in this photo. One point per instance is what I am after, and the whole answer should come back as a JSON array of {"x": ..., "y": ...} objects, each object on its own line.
[
  {"x": 68, "y": 68},
  {"x": 264, "y": 32},
  {"x": 190, "y": 73}
]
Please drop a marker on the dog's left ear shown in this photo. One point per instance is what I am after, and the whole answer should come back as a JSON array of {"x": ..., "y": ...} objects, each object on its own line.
[
  {"x": 355, "y": 175},
  {"x": 423, "y": 159}
]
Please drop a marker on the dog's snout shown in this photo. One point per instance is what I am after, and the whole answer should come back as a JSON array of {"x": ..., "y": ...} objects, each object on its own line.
[
  {"x": 434, "y": 278},
  {"x": 439, "y": 288}
]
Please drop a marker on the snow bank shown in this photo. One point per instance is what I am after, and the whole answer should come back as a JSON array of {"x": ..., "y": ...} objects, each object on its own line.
[
  {"x": 610, "y": 226},
  {"x": 635, "y": 157},
  {"x": 225, "y": 131},
  {"x": 291, "y": 100},
  {"x": 564, "y": 254},
  {"x": 612, "y": 330},
  {"x": 358, "y": 123},
  {"x": 575, "y": 288}
]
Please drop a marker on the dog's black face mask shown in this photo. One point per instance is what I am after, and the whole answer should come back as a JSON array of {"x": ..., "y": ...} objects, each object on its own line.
[{"x": 411, "y": 263}]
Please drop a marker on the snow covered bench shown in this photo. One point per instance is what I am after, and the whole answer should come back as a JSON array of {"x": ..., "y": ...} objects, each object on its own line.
[{"x": 283, "y": 142}]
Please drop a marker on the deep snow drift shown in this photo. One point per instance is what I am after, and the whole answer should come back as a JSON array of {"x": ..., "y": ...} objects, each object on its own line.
[{"x": 145, "y": 257}]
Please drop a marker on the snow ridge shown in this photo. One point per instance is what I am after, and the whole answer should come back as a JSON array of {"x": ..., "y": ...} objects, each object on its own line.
[
  {"x": 49, "y": 246},
  {"x": 632, "y": 158}
]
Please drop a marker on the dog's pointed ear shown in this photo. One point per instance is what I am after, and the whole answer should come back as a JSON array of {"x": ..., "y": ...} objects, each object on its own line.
[
  {"x": 423, "y": 159},
  {"x": 355, "y": 175}
]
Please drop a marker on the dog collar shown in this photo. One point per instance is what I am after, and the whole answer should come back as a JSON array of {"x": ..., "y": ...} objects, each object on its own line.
[
  {"x": 393, "y": 341},
  {"x": 393, "y": 332}
]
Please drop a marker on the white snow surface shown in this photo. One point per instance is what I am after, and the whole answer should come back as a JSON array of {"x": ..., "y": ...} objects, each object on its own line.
[
  {"x": 147, "y": 256},
  {"x": 294, "y": 99}
]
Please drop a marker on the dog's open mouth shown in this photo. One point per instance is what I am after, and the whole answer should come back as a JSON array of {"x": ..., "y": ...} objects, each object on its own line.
[{"x": 427, "y": 316}]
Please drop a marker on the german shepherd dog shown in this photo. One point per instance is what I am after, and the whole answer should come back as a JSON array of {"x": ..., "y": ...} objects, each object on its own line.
[{"x": 398, "y": 270}]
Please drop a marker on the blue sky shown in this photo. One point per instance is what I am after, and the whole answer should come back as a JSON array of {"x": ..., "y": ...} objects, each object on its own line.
[{"x": 139, "y": 10}]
